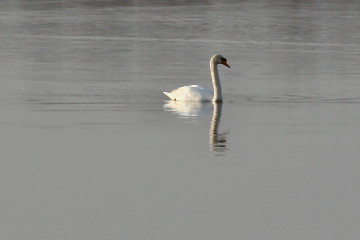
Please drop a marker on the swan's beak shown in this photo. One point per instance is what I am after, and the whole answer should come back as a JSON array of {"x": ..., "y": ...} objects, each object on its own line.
[{"x": 225, "y": 63}]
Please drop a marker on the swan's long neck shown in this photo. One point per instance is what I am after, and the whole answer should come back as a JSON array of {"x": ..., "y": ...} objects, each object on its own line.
[{"x": 216, "y": 82}]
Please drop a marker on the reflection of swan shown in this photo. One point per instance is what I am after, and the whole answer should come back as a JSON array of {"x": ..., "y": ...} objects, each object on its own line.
[
  {"x": 193, "y": 109},
  {"x": 217, "y": 139},
  {"x": 198, "y": 93},
  {"x": 188, "y": 109}
]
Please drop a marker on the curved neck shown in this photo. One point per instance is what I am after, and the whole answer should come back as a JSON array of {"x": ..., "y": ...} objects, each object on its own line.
[{"x": 216, "y": 82}]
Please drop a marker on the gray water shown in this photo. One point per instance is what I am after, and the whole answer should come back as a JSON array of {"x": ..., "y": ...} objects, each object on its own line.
[{"x": 92, "y": 149}]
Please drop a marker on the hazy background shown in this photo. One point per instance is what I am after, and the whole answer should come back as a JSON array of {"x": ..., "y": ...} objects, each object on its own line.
[{"x": 90, "y": 148}]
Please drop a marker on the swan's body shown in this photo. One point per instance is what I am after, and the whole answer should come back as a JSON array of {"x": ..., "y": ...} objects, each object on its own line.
[
  {"x": 198, "y": 93},
  {"x": 193, "y": 93}
]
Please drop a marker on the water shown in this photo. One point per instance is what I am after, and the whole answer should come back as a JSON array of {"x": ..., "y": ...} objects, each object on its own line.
[{"x": 92, "y": 149}]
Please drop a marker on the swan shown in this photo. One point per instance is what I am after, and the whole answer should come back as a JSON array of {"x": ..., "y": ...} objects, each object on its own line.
[{"x": 198, "y": 93}]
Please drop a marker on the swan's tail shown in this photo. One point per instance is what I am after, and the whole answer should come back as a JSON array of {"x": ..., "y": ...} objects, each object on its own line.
[{"x": 170, "y": 95}]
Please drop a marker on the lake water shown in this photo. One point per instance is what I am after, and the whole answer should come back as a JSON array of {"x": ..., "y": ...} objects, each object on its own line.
[{"x": 92, "y": 149}]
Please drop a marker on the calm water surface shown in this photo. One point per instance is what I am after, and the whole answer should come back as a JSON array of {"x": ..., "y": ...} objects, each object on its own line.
[{"x": 92, "y": 149}]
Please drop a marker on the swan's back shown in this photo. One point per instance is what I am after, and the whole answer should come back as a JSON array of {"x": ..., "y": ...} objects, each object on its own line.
[{"x": 190, "y": 93}]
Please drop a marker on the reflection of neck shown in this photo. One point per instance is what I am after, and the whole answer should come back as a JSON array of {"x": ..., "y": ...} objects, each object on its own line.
[
  {"x": 217, "y": 142},
  {"x": 216, "y": 82}
]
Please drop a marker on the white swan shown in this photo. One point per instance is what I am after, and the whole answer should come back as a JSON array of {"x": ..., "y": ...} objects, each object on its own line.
[{"x": 198, "y": 93}]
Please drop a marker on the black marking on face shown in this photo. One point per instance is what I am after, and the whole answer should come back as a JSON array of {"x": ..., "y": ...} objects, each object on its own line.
[{"x": 223, "y": 61}]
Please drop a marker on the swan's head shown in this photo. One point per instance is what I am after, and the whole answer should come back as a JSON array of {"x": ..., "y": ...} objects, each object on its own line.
[{"x": 219, "y": 59}]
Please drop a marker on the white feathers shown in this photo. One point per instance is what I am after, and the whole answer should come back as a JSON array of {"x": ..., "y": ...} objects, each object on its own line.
[{"x": 191, "y": 93}]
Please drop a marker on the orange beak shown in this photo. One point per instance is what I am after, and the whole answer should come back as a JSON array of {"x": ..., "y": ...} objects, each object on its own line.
[
  {"x": 226, "y": 64},
  {"x": 223, "y": 61}
]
